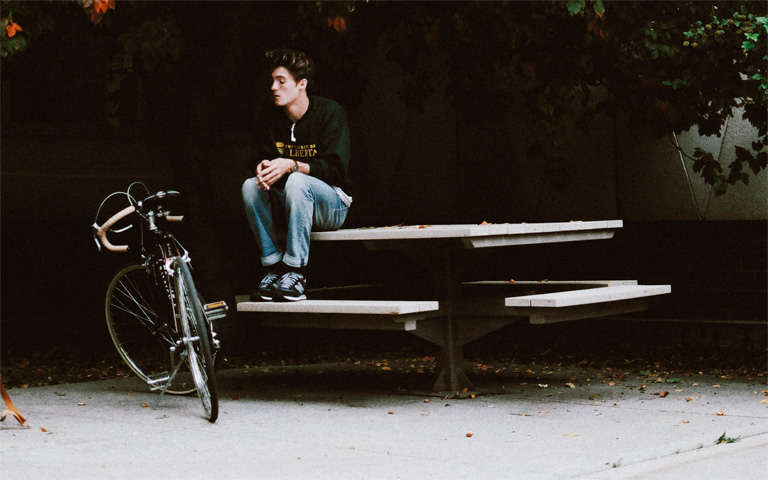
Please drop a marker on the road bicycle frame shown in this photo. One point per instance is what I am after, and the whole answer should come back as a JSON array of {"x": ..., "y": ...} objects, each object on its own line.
[{"x": 161, "y": 280}]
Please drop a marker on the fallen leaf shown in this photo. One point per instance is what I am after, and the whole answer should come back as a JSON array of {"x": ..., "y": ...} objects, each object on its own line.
[
  {"x": 144, "y": 405},
  {"x": 469, "y": 434},
  {"x": 43, "y": 430},
  {"x": 570, "y": 385},
  {"x": 720, "y": 413},
  {"x": 688, "y": 399},
  {"x": 643, "y": 387},
  {"x": 570, "y": 434},
  {"x": 391, "y": 412},
  {"x": 765, "y": 400}
]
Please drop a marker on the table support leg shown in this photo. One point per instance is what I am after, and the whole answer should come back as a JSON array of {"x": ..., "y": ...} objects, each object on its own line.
[
  {"x": 446, "y": 331},
  {"x": 451, "y": 377}
]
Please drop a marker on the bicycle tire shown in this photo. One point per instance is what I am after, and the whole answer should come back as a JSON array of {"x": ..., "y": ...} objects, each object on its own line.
[
  {"x": 139, "y": 316},
  {"x": 196, "y": 338}
]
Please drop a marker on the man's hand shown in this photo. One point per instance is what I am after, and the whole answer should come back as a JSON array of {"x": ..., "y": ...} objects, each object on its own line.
[{"x": 270, "y": 171}]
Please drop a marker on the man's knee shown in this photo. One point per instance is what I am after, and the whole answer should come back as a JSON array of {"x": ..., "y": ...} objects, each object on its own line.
[
  {"x": 298, "y": 186},
  {"x": 251, "y": 191}
]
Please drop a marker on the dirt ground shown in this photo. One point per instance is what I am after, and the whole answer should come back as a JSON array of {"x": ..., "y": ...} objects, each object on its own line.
[{"x": 31, "y": 358}]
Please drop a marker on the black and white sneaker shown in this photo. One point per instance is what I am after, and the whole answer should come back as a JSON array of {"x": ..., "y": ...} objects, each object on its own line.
[
  {"x": 267, "y": 288},
  {"x": 291, "y": 287}
]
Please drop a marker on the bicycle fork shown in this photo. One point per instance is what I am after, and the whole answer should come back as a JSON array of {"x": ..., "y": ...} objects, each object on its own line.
[{"x": 162, "y": 381}]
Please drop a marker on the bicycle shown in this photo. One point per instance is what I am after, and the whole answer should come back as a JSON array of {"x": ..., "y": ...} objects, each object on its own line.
[{"x": 160, "y": 325}]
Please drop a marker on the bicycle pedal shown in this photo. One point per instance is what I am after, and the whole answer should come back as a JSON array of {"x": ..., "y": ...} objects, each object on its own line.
[
  {"x": 216, "y": 310},
  {"x": 158, "y": 381}
]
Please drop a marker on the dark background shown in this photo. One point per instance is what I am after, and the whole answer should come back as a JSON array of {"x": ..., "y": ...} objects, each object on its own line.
[{"x": 62, "y": 154}]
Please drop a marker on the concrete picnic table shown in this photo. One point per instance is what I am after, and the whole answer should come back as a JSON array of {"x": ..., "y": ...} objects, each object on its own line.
[{"x": 453, "y": 319}]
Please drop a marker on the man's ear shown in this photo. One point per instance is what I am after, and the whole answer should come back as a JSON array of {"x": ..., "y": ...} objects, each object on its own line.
[{"x": 302, "y": 83}]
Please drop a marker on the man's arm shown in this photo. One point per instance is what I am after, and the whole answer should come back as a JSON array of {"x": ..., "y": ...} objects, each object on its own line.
[{"x": 331, "y": 162}]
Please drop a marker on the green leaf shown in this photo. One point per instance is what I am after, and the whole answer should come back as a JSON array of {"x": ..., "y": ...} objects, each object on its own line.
[
  {"x": 742, "y": 154},
  {"x": 724, "y": 439},
  {"x": 758, "y": 163},
  {"x": 599, "y": 7},
  {"x": 575, "y": 6}
]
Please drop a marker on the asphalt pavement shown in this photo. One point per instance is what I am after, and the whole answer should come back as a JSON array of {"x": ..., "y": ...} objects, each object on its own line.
[{"x": 367, "y": 421}]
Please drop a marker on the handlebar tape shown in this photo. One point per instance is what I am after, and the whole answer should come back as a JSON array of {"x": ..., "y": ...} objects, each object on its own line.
[{"x": 102, "y": 233}]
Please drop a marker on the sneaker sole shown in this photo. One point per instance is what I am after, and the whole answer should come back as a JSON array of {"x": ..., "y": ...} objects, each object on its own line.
[{"x": 289, "y": 298}]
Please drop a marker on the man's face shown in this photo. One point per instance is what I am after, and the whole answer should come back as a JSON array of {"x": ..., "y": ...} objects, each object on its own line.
[{"x": 285, "y": 89}]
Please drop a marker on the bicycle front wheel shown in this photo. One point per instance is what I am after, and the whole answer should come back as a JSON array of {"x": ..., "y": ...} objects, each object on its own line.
[
  {"x": 196, "y": 338},
  {"x": 140, "y": 321}
]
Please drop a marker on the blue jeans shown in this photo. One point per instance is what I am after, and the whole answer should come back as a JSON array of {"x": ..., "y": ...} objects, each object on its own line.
[{"x": 310, "y": 204}]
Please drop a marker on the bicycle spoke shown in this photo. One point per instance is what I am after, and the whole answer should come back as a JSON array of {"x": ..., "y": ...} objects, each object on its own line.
[{"x": 139, "y": 330}]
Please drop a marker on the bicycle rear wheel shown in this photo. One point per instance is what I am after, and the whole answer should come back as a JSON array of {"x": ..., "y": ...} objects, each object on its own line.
[
  {"x": 196, "y": 338},
  {"x": 140, "y": 322}
]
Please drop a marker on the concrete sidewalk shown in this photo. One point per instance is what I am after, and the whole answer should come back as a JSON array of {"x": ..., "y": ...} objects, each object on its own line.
[{"x": 345, "y": 421}]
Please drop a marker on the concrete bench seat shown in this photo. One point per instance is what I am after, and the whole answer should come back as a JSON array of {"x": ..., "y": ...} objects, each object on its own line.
[
  {"x": 348, "y": 314},
  {"x": 583, "y": 303}
]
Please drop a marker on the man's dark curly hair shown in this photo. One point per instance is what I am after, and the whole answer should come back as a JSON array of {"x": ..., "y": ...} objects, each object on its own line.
[{"x": 298, "y": 63}]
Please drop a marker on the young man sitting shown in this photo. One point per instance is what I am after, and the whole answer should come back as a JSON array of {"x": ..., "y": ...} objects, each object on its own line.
[{"x": 301, "y": 159}]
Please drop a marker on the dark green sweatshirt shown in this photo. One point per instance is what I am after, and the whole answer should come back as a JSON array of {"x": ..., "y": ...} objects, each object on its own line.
[{"x": 320, "y": 138}]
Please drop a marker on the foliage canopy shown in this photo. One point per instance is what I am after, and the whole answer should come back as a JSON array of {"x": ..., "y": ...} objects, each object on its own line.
[{"x": 668, "y": 65}]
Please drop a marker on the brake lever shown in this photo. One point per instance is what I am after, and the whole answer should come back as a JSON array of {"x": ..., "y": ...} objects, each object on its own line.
[{"x": 96, "y": 235}]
